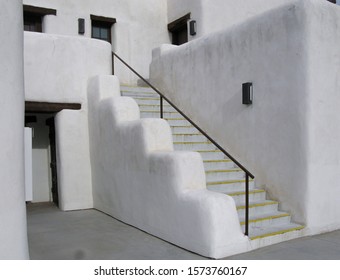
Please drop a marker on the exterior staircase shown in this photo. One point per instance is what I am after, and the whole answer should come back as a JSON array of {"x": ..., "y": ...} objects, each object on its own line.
[{"x": 267, "y": 224}]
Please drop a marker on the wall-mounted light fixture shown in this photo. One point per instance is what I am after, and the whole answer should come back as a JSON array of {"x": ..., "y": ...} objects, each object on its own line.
[
  {"x": 81, "y": 26},
  {"x": 192, "y": 27},
  {"x": 247, "y": 93}
]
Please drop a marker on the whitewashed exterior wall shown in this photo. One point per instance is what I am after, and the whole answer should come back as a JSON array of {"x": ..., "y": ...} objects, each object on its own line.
[
  {"x": 139, "y": 179},
  {"x": 13, "y": 233},
  {"x": 289, "y": 136},
  {"x": 141, "y": 26},
  {"x": 216, "y": 15},
  {"x": 57, "y": 69}
]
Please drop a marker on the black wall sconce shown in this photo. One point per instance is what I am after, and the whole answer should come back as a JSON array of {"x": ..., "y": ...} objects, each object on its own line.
[
  {"x": 247, "y": 93},
  {"x": 192, "y": 27},
  {"x": 81, "y": 26}
]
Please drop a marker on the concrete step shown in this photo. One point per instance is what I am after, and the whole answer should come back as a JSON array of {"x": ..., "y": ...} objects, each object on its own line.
[
  {"x": 156, "y": 114},
  {"x": 257, "y": 207},
  {"x": 265, "y": 232},
  {"x": 254, "y": 195},
  {"x": 155, "y": 108},
  {"x": 224, "y": 174},
  {"x": 189, "y": 137},
  {"x": 147, "y": 100},
  {"x": 272, "y": 235},
  {"x": 213, "y": 155},
  {"x": 267, "y": 224},
  {"x": 192, "y": 146},
  {"x": 177, "y": 121},
  {"x": 218, "y": 164},
  {"x": 188, "y": 128},
  {"x": 229, "y": 186},
  {"x": 275, "y": 218},
  {"x": 138, "y": 91}
]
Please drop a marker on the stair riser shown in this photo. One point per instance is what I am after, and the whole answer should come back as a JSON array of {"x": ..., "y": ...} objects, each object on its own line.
[
  {"x": 223, "y": 176},
  {"x": 225, "y": 188},
  {"x": 180, "y": 122},
  {"x": 239, "y": 199},
  {"x": 192, "y": 146},
  {"x": 258, "y": 210},
  {"x": 267, "y": 223},
  {"x": 206, "y": 155},
  {"x": 219, "y": 165},
  {"x": 136, "y": 90},
  {"x": 183, "y": 129},
  {"x": 156, "y": 108},
  {"x": 262, "y": 242},
  {"x": 157, "y": 115},
  {"x": 147, "y": 101},
  {"x": 144, "y": 95},
  {"x": 189, "y": 138}
]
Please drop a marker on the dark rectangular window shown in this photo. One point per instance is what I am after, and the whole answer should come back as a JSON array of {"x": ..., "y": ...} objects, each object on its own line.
[
  {"x": 101, "y": 28},
  {"x": 179, "y": 30},
  {"x": 32, "y": 22},
  {"x": 33, "y": 17}
]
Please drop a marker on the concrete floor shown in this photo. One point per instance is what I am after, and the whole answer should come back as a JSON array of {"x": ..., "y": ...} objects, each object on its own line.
[{"x": 92, "y": 235}]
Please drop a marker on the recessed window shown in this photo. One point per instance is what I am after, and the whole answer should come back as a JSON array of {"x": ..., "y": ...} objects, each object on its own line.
[
  {"x": 33, "y": 17},
  {"x": 179, "y": 30},
  {"x": 101, "y": 28},
  {"x": 32, "y": 22}
]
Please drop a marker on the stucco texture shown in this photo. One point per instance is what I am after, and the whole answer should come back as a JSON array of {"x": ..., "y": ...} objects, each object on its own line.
[
  {"x": 13, "y": 230},
  {"x": 57, "y": 69},
  {"x": 288, "y": 137},
  {"x": 139, "y": 179}
]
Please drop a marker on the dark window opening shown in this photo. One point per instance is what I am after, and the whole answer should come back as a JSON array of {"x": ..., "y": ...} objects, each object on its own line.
[
  {"x": 33, "y": 17},
  {"x": 179, "y": 30},
  {"x": 32, "y": 22},
  {"x": 101, "y": 28}
]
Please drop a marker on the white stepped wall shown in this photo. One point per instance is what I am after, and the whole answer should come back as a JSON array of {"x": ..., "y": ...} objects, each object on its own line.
[
  {"x": 288, "y": 137},
  {"x": 139, "y": 179}
]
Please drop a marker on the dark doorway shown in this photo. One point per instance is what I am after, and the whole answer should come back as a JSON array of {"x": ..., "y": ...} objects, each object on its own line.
[{"x": 53, "y": 163}]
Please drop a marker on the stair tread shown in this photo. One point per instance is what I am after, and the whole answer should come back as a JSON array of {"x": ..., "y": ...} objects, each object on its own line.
[
  {"x": 216, "y": 160},
  {"x": 243, "y": 192},
  {"x": 191, "y": 142},
  {"x": 256, "y": 203},
  {"x": 212, "y": 183},
  {"x": 264, "y": 216},
  {"x": 223, "y": 170},
  {"x": 262, "y": 232},
  {"x": 218, "y": 164}
]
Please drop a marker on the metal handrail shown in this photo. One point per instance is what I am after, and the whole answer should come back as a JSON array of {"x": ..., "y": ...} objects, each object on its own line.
[{"x": 162, "y": 96}]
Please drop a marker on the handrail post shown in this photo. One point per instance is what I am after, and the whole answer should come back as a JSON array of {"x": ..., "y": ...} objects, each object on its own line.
[
  {"x": 247, "y": 206},
  {"x": 162, "y": 96},
  {"x": 161, "y": 107}
]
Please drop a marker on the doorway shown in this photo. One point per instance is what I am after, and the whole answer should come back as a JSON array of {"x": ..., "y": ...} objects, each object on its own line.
[{"x": 44, "y": 163}]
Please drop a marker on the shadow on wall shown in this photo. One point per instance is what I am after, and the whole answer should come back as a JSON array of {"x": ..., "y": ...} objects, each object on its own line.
[{"x": 139, "y": 179}]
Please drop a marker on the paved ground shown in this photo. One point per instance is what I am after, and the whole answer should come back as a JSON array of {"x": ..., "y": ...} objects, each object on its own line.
[{"x": 92, "y": 235}]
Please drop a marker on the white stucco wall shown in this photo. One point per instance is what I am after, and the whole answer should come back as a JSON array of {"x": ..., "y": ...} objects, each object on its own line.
[
  {"x": 216, "y": 15},
  {"x": 13, "y": 233},
  {"x": 288, "y": 137},
  {"x": 57, "y": 69},
  {"x": 141, "y": 26},
  {"x": 323, "y": 95},
  {"x": 139, "y": 179}
]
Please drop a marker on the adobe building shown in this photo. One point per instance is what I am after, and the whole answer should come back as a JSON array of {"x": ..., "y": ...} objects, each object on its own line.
[{"x": 80, "y": 129}]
